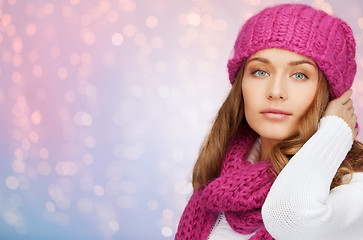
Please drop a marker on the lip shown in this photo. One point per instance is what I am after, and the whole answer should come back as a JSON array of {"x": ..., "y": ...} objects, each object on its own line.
[{"x": 275, "y": 114}]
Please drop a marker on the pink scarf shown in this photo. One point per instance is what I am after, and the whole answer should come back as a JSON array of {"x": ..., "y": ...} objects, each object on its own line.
[{"x": 239, "y": 192}]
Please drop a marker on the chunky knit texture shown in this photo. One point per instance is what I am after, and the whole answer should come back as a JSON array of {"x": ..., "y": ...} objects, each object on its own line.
[
  {"x": 328, "y": 40},
  {"x": 239, "y": 192}
]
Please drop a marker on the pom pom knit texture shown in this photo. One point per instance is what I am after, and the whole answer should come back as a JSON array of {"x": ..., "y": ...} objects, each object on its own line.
[{"x": 328, "y": 40}]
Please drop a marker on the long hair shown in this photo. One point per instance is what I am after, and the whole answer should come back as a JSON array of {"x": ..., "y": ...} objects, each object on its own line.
[{"x": 230, "y": 118}]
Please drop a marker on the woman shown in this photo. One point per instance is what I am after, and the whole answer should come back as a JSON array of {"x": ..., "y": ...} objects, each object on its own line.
[{"x": 281, "y": 160}]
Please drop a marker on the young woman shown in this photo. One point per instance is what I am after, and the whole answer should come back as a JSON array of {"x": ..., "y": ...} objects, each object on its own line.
[{"x": 281, "y": 160}]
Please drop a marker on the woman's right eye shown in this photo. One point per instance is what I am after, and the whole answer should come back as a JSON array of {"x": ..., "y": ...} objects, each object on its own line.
[{"x": 260, "y": 73}]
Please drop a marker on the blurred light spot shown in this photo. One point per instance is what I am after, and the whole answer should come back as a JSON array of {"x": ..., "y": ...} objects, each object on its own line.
[
  {"x": 86, "y": 19},
  {"x": 192, "y": 34},
  {"x": 89, "y": 38},
  {"x": 11, "y": 217},
  {"x": 166, "y": 231},
  {"x": 74, "y": 59},
  {"x": 55, "y": 52},
  {"x": 125, "y": 201},
  {"x": 112, "y": 16},
  {"x": 360, "y": 23},
  {"x": 163, "y": 91},
  {"x": 31, "y": 29},
  {"x": 23, "y": 182},
  {"x": 25, "y": 143},
  {"x": 37, "y": 71},
  {"x": 74, "y": 2},
  {"x": 43, "y": 153},
  {"x": 193, "y": 19},
  {"x": 104, "y": 5},
  {"x": 11, "y": 2},
  {"x": 90, "y": 142},
  {"x": 137, "y": 91},
  {"x": 48, "y": 9},
  {"x": 212, "y": 53},
  {"x": 184, "y": 65},
  {"x": 140, "y": 39},
  {"x": 220, "y": 25},
  {"x": 55, "y": 192},
  {"x": 10, "y": 30},
  {"x": 153, "y": 205},
  {"x": 183, "y": 19},
  {"x": 151, "y": 22},
  {"x": 160, "y": 66},
  {"x": 15, "y": 200},
  {"x": 86, "y": 58},
  {"x": 88, "y": 158},
  {"x": 16, "y": 76},
  {"x": 98, "y": 190},
  {"x": 85, "y": 205},
  {"x": 12, "y": 182},
  {"x": 207, "y": 20},
  {"x": 129, "y": 30},
  {"x": 6, "y": 19},
  {"x": 168, "y": 214},
  {"x": 36, "y": 117},
  {"x": 17, "y": 45},
  {"x": 178, "y": 156},
  {"x": 64, "y": 168},
  {"x": 32, "y": 56},
  {"x": 17, "y": 60},
  {"x": 62, "y": 73},
  {"x": 44, "y": 168},
  {"x": 41, "y": 94},
  {"x": 157, "y": 42},
  {"x": 64, "y": 114},
  {"x": 18, "y": 166},
  {"x": 183, "y": 187},
  {"x": 19, "y": 154},
  {"x": 117, "y": 39},
  {"x": 67, "y": 11},
  {"x": 50, "y": 206},
  {"x": 129, "y": 6},
  {"x": 86, "y": 184},
  {"x": 134, "y": 152},
  {"x": 34, "y": 137},
  {"x": 82, "y": 119},
  {"x": 113, "y": 225},
  {"x": 69, "y": 96}
]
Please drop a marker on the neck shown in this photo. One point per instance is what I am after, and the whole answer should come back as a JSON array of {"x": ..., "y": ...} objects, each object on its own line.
[{"x": 266, "y": 146}]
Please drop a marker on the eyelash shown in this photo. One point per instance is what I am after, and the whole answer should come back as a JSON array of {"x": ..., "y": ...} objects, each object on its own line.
[{"x": 261, "y": 70}]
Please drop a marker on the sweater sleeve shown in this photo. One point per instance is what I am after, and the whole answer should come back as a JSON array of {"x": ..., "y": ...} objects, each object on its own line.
[{"x": 300, "y": 204}]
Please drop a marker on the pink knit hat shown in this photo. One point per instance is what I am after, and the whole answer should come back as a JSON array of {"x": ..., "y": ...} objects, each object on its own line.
[{"x": 328, "y": 40}]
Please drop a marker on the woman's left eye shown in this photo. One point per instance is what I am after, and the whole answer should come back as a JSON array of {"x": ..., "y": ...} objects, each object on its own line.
[{"x": 300, "y": 76}]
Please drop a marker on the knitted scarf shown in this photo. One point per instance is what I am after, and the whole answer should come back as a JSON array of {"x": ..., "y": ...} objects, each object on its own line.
[{"x": 239, "y": 192}]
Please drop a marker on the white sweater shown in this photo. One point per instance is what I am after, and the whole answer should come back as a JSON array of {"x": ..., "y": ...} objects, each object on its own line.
[{"x": 300, "y": 204}]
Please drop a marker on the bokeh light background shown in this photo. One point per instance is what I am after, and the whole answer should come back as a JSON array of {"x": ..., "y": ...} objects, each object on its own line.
[{"x": 104, "y": 105}]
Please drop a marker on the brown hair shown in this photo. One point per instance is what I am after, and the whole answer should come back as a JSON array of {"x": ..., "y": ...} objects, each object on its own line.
[{"x": 230, "y": 118}]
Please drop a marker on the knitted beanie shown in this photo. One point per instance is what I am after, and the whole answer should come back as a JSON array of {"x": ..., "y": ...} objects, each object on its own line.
[{"x": 327, "y": 40}]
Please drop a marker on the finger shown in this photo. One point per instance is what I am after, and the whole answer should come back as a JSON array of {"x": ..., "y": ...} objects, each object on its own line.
[
  {"x": 349, "y": 104},
  {"x": 345, "y": 96}
]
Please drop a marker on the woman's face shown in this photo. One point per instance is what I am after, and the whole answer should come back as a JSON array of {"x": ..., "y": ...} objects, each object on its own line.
[{"x": 278, "y": 87}]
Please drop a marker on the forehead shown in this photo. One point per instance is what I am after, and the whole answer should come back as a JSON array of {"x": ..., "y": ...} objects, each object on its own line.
[{"x": 276, "y": 55}]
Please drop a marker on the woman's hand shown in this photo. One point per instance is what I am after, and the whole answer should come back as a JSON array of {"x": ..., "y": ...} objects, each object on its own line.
[{"x": 343, "y": 108}]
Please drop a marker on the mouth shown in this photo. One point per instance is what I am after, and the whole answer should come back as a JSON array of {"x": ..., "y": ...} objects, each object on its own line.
[{"x": 275, "y": 114}]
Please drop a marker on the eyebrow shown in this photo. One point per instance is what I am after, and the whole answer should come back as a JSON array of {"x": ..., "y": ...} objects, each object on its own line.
[{"x": 294, "y": 63}]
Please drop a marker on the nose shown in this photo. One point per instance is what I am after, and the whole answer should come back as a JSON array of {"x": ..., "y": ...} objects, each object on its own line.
[{"x": 276, "y": 90}]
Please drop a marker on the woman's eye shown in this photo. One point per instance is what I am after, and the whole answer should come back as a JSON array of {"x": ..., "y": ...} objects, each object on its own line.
[
  {"x": 300, "y": 76},
  {"x": 260, "y": 73}
]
